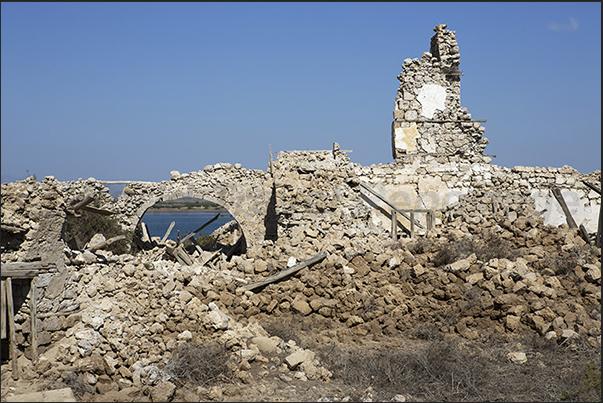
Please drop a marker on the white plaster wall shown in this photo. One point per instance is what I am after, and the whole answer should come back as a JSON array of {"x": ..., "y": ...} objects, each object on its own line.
[
  {"x": 432, "y": 97},
  {"x": 583, "y": 211}
]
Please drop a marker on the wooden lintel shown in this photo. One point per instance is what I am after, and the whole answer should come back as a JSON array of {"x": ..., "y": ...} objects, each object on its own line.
[
  {"x": 23, "y": 269},
  {"x": 593, "y": 187},
  {"x": 12, "y": 228}
]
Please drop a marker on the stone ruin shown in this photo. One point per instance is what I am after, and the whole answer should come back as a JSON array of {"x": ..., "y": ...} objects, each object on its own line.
[
  {"x": 429, "y": 122},
  {"x": 115, "y": 319}
]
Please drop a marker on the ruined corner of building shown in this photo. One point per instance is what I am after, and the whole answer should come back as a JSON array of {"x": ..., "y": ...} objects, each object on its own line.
[{"x": 429, "y": 123}]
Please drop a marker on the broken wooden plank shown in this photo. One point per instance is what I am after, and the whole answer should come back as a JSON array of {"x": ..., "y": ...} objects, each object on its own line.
[
  {"x": 12, "y": 228},
  {"x": 593, "y": 187},
  {"x": 87, "y": 200},
  {"x": 108, "y": 242},
  {"x": 98, "y": 210},
  {"x": 11, "y": 323},
  {"x": 584, "y": 234},
  {"x": 237, "y": 245},
  {"x": 167, "y": 233},
  {"x": 561, "y": 201},
  {"x": 212, "y": 257},
  {"x": 145, "y": 232},
  {"x": 34, "y": 319},
  {"x": 180, "y": 254},
  {"x": 394, "y": 225},
  {"x": 286, "y": 272},
  {"x": 187, "y": 237}
]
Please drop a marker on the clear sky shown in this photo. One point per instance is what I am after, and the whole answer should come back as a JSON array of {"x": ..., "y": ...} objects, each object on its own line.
[{"x": 132, "y": 91}]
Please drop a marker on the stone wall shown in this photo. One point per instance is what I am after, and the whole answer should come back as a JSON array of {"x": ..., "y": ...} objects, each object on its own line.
[
  {"x": 482, "y": 189},
  {"x": 429, "y": 122},
  {"x": 317, "y": 191}
]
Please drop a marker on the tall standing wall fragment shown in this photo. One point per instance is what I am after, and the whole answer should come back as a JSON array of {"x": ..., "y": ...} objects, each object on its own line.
[{"x": 429, "y": 122}]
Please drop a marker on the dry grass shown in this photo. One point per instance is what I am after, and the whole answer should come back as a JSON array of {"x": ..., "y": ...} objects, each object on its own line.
[
  {"x": 77, "y": 231},
  {"x": 78, "y": 386},
  {"x": 199, "y": 365},
  {"x": 446, "y": 369},
  {"x": 485, "y": 248}
]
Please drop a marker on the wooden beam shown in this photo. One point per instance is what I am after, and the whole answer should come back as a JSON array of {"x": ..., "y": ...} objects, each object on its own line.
[
  {"x": 186, "y": 238},
  {"x": 584, "y": 234},
  {"x": 98, "y": 210},
  {"x": 145, "y": 232},
  {"x": 286, "y": 272},
  {"x": 181, "y": 256},
  {"x": 108, "y": 242},
  {"x": 561, "y": 201},
  {"x": 236, "y": 246},
  {"x": 87, "y": 200},
  {"x": 11, "y": 323},
  {"x": 34, "y": 319},
  {"x": 12, "y": 228},
  {"x": 383, "y": 199},
  {"x": 593, "y": 187},
  {"x": 167, "y": 233},
  {"x": 24, "y": 269}
]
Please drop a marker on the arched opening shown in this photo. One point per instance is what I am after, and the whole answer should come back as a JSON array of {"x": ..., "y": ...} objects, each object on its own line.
[{"x": 191, "y": 229}]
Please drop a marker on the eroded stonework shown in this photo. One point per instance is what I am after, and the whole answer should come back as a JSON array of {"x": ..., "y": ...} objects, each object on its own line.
[{"x": 429, "y": 122}]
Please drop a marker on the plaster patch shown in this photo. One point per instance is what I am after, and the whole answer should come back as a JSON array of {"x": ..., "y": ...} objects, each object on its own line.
[
  {"x": 552, "y": 213},
  {"x": 405, "y": 137},
  {"x": 431, "y": 97}
]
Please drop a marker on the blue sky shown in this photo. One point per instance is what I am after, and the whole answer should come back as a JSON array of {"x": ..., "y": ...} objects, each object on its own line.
[{"x": 131, "y": 91}]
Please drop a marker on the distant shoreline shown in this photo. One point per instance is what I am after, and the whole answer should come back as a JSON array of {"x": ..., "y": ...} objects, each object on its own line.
[{"x": 185, "y": 210}]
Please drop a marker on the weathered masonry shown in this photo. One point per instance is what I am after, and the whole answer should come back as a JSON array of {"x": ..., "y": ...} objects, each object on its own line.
[
  {"x": 309, "y": 202},
  {"x": 439, "y": 155},
  {"x": 429, "y": 122},
  {"x": 438, "y": 165}
]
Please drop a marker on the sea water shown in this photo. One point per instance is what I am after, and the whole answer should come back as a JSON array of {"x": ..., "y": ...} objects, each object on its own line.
[{"x": 185, "y": 222}]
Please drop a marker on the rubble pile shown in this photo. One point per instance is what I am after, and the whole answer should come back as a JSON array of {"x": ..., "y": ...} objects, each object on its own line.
[{"x": 117, "y": 319}]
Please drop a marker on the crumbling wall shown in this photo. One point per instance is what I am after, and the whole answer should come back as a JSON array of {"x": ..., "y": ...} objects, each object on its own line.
[
  {"x": 244, "y": 193},
  {"x": 483, "y": 189},
  {"x": 429, "y": 122},
  {"x": 317, "y": 191}
]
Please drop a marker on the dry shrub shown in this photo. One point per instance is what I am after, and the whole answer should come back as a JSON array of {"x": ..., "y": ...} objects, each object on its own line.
[
  {"x": 77, "y": 231},
  {"x": 199, "y": 365},
  {"x": 444, "y": 369},
  {"x": 419, "y": 246},
  {"x": 301, "y": 329},
  {"x": 485, "y": 248},
  {"x": 428, "y": 331},
  {"x": 563, "y": 262},
  {"x": 78, "y": 386},
  {"x": 439, "y": 371}
]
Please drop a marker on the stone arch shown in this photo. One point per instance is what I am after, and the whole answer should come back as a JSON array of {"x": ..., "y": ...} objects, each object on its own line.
[
  {"x": 244, "y": 193},
  {"x": 179, "y": 193}
]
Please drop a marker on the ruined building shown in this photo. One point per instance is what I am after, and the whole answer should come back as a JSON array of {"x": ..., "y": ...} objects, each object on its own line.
[
  {"x": 78, "y": 307},
  {"x": 429, "y": 122}
]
